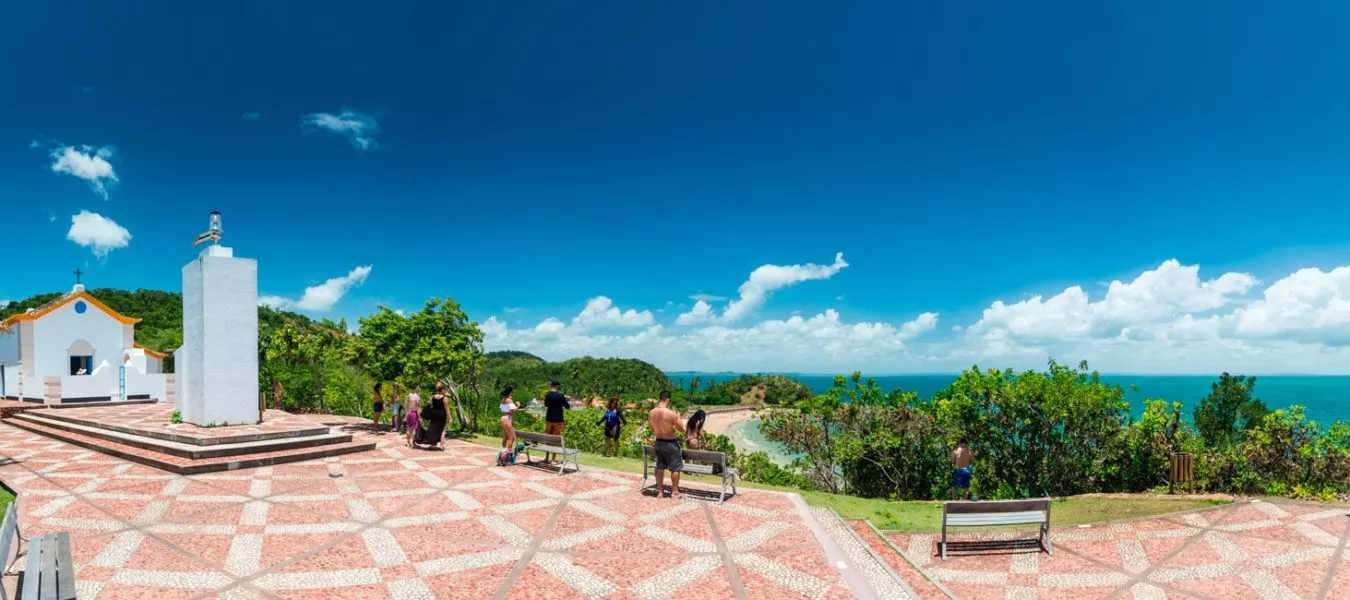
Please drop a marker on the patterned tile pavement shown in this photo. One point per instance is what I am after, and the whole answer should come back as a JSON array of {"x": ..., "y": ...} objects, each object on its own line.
[
  {"x": 1258, "y": 550},
  {"x": 395, "y": 522}
]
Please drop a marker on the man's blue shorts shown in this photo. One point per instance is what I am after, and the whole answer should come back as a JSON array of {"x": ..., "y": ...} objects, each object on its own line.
[{"x": 961, "y": 478}]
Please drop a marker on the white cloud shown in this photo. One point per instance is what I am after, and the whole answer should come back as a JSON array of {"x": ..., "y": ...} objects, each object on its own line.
[
  {"x": 359, "y": 128},
  {"x": 250, "y": 116},
  {"x": 511, "y": 310},
  {"x": 769, "y": 278},
  {"x": 701, "y": 314},
  {"x": 97, "y": 232},
  {"x": 1168, "y": 319},
  {"x": 88, "y": 163},
  {"x": 600, "y": 313},
  {"x": 756, "y": 290},
  {"x": 4, "y": 303},
  {"x": 1162, "y": 294},
  {"x": 821, "y": 343},
  {"x": 703, "y": 341},
  {"x": 322, "y": 297},
  {"x": 705, "y": 298}
]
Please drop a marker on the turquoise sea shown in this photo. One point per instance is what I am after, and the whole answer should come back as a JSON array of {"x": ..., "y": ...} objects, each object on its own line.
[{"x": 1325, "y": 398}]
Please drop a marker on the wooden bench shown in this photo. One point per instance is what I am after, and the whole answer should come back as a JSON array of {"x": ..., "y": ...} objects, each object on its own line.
[
  {"x": 712, "y": 463},
  {"x": 997, "y": 512},
  {"x": 49, "y": 573},
  {"x": 550, "y": 444}
]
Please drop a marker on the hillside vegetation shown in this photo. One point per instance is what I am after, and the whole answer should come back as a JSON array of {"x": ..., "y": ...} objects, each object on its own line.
[{"x": 587, "y": 377}]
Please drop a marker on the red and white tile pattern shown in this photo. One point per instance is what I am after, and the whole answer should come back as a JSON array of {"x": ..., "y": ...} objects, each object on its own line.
[
  {"x": 1259, "y": 550},
  {"x": 401, "y": 523}
]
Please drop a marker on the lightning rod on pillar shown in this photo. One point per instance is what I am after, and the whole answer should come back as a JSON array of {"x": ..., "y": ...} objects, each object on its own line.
[{"x": 213, "y": 233}]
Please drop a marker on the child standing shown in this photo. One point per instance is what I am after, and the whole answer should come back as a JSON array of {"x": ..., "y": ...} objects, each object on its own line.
[
  {"x": 377, "y": 408},
  {"x": 413, "y": 421},
  {"x": 613, "y": 422},
  {"x": 395, "y": 409}
]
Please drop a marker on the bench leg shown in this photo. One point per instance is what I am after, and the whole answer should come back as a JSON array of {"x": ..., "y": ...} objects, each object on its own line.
[
  {"x": 942, "y": 546},
  {"x": 1045, "y": 535}
]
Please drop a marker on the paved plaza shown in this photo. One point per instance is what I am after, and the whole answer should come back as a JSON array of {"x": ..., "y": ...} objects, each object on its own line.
[
  {"x": 1257, "y": 550},
  {"x": 396, "y": 522}
]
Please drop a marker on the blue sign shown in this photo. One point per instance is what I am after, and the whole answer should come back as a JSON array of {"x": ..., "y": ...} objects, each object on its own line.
[
  {"x": 122, "y": 383},
  {"x": 80, "y": 307}
]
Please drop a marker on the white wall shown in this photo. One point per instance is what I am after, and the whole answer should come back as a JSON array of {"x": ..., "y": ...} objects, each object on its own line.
[
  {"x": 106, "y": 384},
  {"x": 89, "y": 386},
  {"x": 11, "y": 381},
  {"x": 156, "y": 386},
  {"x": 220, "y": 339},
  {"x": 54, "y": 332},
  {"x": 9, "y": 346}
]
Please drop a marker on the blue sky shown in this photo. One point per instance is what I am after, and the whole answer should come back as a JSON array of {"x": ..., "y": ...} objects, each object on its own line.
[{"x": 529, "y": 158}]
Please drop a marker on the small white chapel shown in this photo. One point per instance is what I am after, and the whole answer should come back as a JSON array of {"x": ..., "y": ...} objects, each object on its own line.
[{"x": 75, "y": 349}]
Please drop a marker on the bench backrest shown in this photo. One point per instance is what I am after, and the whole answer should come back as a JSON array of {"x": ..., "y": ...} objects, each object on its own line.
[
  {"x": 9, "y": 531},
  {"x": 964, "y": 507},
  {"x": 698, "y": 456},
  {"x": 541, "y": 438},
  {"x": 706, "y": 456}
]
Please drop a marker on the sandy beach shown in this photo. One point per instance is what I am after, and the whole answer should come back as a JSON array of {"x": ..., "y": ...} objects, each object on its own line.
[{"x": 720, "y": 422}]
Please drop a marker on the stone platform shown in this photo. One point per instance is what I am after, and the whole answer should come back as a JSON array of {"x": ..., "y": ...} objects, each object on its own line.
[{"x": 146, "y": 434}]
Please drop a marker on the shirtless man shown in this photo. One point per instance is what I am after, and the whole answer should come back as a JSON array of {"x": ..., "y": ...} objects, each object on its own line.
[
  {"x": 962, "y": 458},
  {"x": 664, "y": 423}
]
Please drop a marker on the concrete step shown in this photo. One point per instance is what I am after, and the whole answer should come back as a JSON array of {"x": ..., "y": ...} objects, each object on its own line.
[
  {"x": 79, "y": 418},
  {"x": 188, "y": 466},
  {"x": 883, "y": 581},
  {"x": 190, "y": 451}
]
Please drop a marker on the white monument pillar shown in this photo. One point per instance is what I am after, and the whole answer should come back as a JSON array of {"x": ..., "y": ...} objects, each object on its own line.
[{"x": 218, "y": 371}]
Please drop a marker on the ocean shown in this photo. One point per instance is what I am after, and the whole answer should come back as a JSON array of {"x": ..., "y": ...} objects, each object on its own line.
[{"x": 1325, "y": 398}]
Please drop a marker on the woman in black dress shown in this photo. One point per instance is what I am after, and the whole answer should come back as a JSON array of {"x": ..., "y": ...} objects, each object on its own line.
[{"x": 434, "y": 414}]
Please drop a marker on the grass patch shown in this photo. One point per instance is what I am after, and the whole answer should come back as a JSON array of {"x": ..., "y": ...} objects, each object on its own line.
[
  {"x": 1075, "y": 510},
  {"x": 923, "y": 515},
  {"x": 6, "y": 498}
]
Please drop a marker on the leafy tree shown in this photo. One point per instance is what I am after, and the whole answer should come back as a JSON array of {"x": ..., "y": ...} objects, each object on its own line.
[
  {"x": 812, "y": 430},
  {"x": 1230, "y": 409},
  {"x": 438, "y": 343}
]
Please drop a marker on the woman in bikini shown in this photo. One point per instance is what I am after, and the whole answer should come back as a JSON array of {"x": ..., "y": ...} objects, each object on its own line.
[{"x": 508, "y": 409}]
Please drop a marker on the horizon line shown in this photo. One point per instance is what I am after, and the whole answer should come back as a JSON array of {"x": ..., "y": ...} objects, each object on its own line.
[{"x": 958, "y": 373}]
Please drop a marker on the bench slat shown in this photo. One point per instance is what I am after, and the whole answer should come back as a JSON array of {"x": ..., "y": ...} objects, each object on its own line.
[
  {"x": 1009, "y": 518},
  {"x": 996, "y": 506},
  {"x": 554, "y": 449},
  {"x": 65, "y": 574},
  {"x": 32, "y": 570},
  {"x": 697, "y": 469},
  {"x": 540, "y": 438},
  {"x": 9, "y": 530},
  {"x": 48, "y": 591}
]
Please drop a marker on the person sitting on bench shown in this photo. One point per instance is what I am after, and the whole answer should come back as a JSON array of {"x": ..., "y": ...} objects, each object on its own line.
[
  {"x": 664, "y": 423},
  {"x": 693, "y": 430}
]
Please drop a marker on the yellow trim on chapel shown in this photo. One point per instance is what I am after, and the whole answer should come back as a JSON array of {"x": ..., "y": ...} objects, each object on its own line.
[
  {"x": 152, "y": 353},
  {"x": 67, "y": 299}
]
